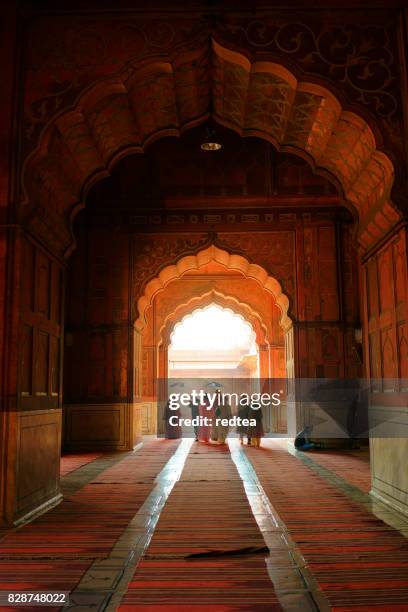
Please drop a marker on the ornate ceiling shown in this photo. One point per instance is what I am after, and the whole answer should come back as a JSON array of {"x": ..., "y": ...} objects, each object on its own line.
[{"x": 325, "y": 85}]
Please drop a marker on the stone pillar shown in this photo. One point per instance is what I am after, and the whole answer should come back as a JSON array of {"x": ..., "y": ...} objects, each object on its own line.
[
  {"x": 99, "y": 359},
  {"x": 32, "y": 399},
  {"x": 31, "y": 283},
  {"x": 385, "y": 328}
]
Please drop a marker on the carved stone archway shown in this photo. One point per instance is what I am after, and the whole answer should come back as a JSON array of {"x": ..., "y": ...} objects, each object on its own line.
[
  {"x": 146, "y": 101},
  {"x": 226, "y": 259},
  {"x": 269, "y": 354},
  {"x": 228, "y": 302},
  {"x": 278, "y": 421}
]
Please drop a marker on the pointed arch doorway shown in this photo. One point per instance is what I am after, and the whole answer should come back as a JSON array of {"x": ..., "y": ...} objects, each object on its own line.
[
  {"x": 176, "y": 304},
  {"x": 215, "y": 348}
]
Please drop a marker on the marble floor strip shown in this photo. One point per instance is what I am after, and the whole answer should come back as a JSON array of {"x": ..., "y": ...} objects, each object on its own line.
[
  {"x": 294, "y": 584},
  {"x": 105, "y": 582}
]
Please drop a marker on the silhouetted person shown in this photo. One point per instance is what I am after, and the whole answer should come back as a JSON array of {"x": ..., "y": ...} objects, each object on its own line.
[
  {"x": 171, "y": 431},
  {"x": 302, "y": 440},
  {"x": 194, "y": 413},
  {"x": 242, "y": 430},
  {"x": 255, "y": 432}
]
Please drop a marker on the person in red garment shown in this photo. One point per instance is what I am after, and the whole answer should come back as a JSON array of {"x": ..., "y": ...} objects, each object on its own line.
[{"x": 204, "y": 430}]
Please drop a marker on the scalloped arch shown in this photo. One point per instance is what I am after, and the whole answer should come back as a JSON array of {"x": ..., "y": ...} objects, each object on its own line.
[
  {"x": 214, "y": 297},
  {"x": 146, "y": 101},
  {"x": 194, "y": 262}
]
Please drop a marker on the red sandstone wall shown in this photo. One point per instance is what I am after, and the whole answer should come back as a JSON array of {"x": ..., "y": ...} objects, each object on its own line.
[
  {"x": 328, "y": 311},
  {"x": 7, "y": 233},
  {"x": 386, "y": 304},
  {"x": 41, "y": 328},
  {"x": 39, "y": 379},
  {"x": 98, "y": 374},
  {"x": 32, "y": 408},
  {"x": 97, "y": 318},
  {"x": 110, "y": 267}
]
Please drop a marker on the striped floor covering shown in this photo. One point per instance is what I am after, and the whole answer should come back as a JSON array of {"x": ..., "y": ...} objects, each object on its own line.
[
  {"x": 69, "y": 463},
  {"x": 207, "y": 510},
  {"x": 360, "y": 563},
  {"x": 56, "y": 549},
  {"x": 352, "y": 466}
]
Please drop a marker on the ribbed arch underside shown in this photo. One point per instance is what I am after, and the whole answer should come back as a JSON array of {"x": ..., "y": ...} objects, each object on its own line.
[{"x": 125, "y": 114}]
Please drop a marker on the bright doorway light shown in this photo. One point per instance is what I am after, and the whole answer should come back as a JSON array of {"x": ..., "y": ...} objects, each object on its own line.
[
  {"x": 213, "y": 328},
  {"x": 212, "y": 338}
]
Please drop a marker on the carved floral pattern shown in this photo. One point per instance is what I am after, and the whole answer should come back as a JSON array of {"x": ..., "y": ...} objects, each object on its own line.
[
  {"x": 152, "y": 253},
  {"x": 65, "y": 55},
  {"x": 131, "y": 103},
  {"x": 273, "y": 251},
  {"x": 360, "y": 56}
]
